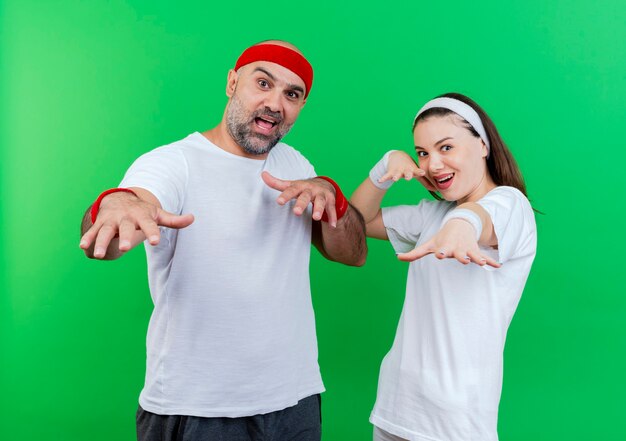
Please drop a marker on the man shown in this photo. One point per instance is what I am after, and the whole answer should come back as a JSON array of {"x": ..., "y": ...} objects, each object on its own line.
[{"x": 231, "y": 348}]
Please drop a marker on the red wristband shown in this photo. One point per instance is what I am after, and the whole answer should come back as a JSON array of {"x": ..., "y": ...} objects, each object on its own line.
[
  {"x": 96, "y": 205},
  {"x": 341, "y": 203}
]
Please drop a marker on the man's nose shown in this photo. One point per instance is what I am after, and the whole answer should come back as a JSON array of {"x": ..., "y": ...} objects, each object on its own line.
[{"x": 273, "y": 101}]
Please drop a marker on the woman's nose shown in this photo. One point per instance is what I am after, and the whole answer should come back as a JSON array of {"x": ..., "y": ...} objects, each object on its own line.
[{"x": 435, "y": 163}]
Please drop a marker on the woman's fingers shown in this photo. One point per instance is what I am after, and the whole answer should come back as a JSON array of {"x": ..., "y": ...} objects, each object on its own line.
[
  {"x": 442, "y": 252},
  {"x": 406, "y": 173},
  {"x": 416, "y": 253},
  {"x": 476, "y": 257}
]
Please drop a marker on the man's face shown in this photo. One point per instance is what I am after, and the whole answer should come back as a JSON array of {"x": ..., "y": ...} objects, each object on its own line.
[{"x": 265, "y": 101}]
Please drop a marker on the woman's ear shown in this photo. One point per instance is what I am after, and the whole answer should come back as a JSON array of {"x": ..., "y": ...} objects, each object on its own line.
[{"x": 484, "y": 151}]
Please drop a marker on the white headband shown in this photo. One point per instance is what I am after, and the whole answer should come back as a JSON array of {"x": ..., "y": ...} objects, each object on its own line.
[{"x": 463, "y": 110}]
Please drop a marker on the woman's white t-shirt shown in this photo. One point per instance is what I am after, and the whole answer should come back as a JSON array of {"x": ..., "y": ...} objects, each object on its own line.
[{"x": 442, "y": 378}]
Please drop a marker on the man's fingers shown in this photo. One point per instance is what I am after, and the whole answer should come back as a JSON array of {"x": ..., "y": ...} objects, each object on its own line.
[
  {"x": 319, "y": 205},
  {"x": 106, "y": 233},
  {"x": 138, "y": 237},
  {"x": 89, "y": 237},
  {"x": 331, "y": 212},
  {"x": 170, "y": 220},
  {"x": 290, "y": 193},
  {"x": 305, "y": 192},
  {"x": 150, "y": 230},
  {"x": 275, "y": 183},
  {"x": 127, "y": 231},
  {"x": 303, "y": 201},
  {"x": 129, "y": 218}
]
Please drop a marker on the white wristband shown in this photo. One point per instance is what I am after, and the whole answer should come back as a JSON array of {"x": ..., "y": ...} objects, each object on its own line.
[
  {"x": 466, "y": 215},
  {"x": 379, "y": 170}
]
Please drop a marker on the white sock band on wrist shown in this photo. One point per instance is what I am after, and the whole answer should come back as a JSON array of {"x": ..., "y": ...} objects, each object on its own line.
[
  {"x": 466, "y": 215},
  {"x": 379, "y": 170}
]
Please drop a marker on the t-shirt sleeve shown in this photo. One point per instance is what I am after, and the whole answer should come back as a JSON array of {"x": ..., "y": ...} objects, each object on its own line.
[
  {"x": 289, "y": 163},
  {"x": 308, "y": 169},
  {"x": 513, "y": 221},
  {"x": 163, "y": 172},
  {"x": 404, "y": 225}
]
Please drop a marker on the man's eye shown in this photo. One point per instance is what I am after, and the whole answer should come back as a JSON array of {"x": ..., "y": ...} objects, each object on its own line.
[
  {"x": 293, "y": 95},
  {"x": 263, "y": 83}
]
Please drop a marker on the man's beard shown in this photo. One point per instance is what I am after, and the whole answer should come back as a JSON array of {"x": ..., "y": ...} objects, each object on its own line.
[{"x": 239, "y": 125}]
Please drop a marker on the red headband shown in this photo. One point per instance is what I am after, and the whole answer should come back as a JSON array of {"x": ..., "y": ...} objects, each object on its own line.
[{"x": 284, "y": 56}]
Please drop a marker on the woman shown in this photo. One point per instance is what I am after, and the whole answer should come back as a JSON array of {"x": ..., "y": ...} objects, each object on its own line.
[{"x": 470, "y": 252}]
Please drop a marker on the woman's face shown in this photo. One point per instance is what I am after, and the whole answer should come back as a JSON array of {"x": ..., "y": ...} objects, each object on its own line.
[{"x": 453, "y": 158}]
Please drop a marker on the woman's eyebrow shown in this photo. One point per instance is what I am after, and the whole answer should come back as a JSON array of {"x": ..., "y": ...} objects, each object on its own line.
[{"x": 438, "y": 142}]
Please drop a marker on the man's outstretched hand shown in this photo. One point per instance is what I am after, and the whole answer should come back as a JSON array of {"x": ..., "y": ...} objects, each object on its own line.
[
  {"x": 316, "y": 191},
  {"x": 132, "y": 219}
]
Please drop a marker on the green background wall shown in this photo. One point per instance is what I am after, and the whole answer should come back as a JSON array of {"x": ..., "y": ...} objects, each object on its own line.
[{"x": 87, "y": 86}]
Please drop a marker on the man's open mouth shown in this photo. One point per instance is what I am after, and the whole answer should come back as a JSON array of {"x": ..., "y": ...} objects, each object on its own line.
[{"x": 265, "y": 122}]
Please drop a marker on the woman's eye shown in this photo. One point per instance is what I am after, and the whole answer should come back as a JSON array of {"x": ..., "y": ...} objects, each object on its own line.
[
  {"x": 421, "y": 154},
  {"x": 446, "y": 148}
]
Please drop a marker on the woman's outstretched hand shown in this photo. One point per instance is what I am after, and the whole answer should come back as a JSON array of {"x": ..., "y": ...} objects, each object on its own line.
[{"x": 455, "y": 240}]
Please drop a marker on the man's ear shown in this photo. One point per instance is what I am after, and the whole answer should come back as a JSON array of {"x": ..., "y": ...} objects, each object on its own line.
[{"x": 231, "y": 83}]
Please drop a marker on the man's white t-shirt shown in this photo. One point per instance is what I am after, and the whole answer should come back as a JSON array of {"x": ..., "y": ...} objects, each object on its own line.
[
  {"x": 232, "y": 332},
  {"x": 442, "y": 378}
]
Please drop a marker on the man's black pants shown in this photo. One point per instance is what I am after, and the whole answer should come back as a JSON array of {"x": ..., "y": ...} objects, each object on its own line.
[{"x": 302, "y": 422}]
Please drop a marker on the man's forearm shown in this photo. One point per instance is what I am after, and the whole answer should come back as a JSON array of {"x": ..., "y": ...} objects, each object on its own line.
[{"x": 346, "y": 243}]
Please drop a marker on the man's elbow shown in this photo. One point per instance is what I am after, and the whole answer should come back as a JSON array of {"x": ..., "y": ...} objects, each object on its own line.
[
  {"x": 360, "y": 259},
  {"x": 358, "y": 263},
  {"x": 89, "y": 254},
  {"x": 357, "y": 258}
]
